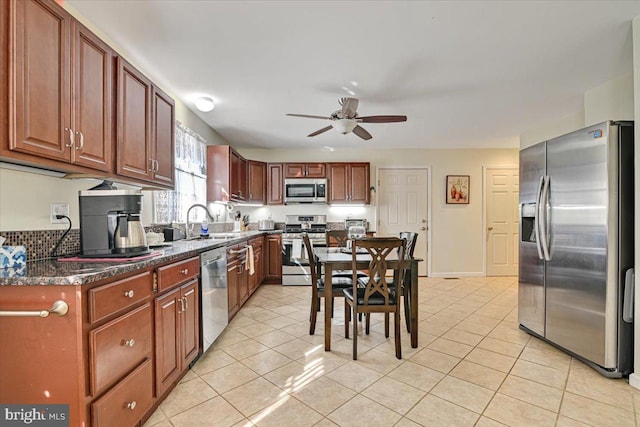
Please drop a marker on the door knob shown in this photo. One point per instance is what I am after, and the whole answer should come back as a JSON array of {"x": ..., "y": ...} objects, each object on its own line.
[
  {"x": 423, "y": 228},
  {"x": 490, "y": 228}
]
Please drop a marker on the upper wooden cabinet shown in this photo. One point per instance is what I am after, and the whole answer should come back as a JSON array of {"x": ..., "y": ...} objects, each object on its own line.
[
  {"x": 256, "y": 177},
  {"x": 275, "y": 184},
  {"x": 305, "y": 170},
  {"x": 227, "y": 174},
  {"x": 145, "y": 128},
  {"x": 61, "y": 103},
  {"x": 348, "y": 183}
]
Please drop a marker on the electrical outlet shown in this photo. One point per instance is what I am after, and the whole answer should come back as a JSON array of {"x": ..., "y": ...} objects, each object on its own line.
[{"x": 58, "y": 209}]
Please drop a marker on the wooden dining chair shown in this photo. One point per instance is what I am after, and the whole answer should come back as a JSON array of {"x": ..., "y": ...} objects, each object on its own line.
[
  {"x": 411, "y": 239},
  {"x": 317, "y": 285},
  {"x": 374, "y": 293}
]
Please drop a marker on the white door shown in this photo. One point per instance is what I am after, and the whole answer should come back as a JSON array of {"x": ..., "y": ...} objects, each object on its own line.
[
  {"x": 502, "y": 189},
  {"x": 402, "y": 206}
]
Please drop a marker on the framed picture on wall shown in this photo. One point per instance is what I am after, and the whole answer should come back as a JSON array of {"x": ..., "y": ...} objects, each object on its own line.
[{"x": 458, "y": 189}]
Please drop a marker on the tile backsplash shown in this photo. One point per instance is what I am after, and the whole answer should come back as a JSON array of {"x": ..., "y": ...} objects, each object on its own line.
[{"x": 40, "y": 243}]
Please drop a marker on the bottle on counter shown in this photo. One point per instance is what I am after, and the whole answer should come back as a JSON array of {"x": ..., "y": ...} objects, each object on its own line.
[{"x": 204, "y": 228}]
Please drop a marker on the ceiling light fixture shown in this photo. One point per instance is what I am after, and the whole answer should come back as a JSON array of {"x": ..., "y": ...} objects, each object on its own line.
[
  {"x": 204, "y": 104},
  {"x": 344, "y": 126}
]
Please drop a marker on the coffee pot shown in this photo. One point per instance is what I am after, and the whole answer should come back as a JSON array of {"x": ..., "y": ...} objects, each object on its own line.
[{"x": 129, "y": 235}]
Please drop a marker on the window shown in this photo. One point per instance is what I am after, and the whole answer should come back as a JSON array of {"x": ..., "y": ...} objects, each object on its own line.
[{"x": 191, "y": 180}]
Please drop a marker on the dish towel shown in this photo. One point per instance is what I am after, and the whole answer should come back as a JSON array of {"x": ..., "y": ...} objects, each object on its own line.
[
  {"x": 250, "y": 266},
  {"x": 296, "y": 248}
]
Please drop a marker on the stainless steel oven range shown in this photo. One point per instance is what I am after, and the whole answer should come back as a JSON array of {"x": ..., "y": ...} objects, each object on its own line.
[{"x": 295, "y": 265}]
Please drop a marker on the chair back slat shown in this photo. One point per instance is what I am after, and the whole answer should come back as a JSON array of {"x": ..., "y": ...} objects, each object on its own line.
[
  {"x": 337, "y": 238},
  {"x": 379, "y": 249}
]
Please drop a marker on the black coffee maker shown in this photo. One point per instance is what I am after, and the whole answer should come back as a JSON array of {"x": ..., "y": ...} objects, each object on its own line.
[{"x": 110, "y": 223}]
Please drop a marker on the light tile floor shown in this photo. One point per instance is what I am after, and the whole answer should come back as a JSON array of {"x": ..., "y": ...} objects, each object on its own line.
[{"x": 473, "y": 366}]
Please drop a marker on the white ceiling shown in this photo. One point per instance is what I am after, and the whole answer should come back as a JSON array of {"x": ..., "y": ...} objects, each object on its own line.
[{"x": 466, "y": 73}]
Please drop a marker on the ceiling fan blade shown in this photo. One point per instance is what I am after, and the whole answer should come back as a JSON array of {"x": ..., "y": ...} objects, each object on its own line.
[
  {"x": 309, "y": 116},
  {"x": 381, "y": 119},
  {"x": 349, "y": 107},
  {"x": 318, "y": 132},
  {"x": 362, "y": 133}
]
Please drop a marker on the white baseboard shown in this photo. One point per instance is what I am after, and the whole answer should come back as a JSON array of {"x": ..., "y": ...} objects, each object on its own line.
[
  {"x": 458, "y": 274},
  {"x": 634, "y": 380}
]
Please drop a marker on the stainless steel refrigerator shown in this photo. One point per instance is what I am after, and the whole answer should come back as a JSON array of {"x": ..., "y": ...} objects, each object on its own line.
[{"x": 576, "y": 244}]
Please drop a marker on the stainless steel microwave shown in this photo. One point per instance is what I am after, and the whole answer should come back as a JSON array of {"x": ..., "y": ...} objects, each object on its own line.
[{"x": 302, "y": 190}]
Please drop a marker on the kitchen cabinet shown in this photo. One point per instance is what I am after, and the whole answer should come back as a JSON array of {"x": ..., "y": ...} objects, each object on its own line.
[
  {"x": 348, "y": 183},
  {"x": 227, "y": 174},
  {"x": 61, "y": 96},
  {"x": 273, "y": 259},
  {"x": 305, "y": 170},
  {"x": 99, "y": 356},
  {"x": 275, "y": 184},
  {"x": 145, "y": 128},
  {"x": 177, "y": 315},
  {"x": 256, "y": 177}
]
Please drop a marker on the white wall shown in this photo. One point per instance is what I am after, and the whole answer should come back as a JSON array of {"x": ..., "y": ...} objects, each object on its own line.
[
  {"x": 612, "y": 100},
  {"x": 456, "y": 230},
  {"x": 550, "y": 130}
]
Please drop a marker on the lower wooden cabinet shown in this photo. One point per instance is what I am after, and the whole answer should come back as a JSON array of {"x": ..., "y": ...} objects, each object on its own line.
[
  {"x": 273, "y": 259},
  {"x": 177, "y": 335},
  {"x": 126, "y": 403}
]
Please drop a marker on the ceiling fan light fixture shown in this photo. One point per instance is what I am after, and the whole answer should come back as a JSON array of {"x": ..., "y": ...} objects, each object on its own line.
[
  {"x": 204, "y": 103},
  {"x": 344, "y": 126}
]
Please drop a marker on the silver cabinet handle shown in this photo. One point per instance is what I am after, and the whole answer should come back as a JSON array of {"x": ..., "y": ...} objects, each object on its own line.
[
  {"x": 132, "y": 405},
  {"x": 129, "y": 293},
  {"x": 81, "y": 141},
  {"x": 59, "y": 307},
  {"x": 185, "y": 271},
  {"x": 71, "y": 140},
  {"x": 128, "y": 343},
  {"x": 157, "y": 166}
]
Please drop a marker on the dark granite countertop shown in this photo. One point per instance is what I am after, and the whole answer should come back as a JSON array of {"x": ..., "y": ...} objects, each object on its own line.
[{"x": 53, "y": 272}]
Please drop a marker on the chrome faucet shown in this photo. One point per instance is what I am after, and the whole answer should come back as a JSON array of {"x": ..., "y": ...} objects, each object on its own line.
[{"x": 188, "y": 229}]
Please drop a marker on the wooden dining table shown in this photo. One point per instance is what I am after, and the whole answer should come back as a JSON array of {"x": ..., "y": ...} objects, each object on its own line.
[{"x": 338, "y": 259}]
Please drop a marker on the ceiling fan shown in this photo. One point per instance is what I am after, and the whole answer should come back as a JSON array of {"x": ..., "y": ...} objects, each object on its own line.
[{"x": 346, "y": 119}]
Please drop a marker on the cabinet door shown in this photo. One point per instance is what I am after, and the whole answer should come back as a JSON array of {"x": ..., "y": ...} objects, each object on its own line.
[
  {"x": 133, "y": 123},
  {"x": 275, "y": 184},
  {"x": 315, "y": 170},
  {"x": 190, "y": 325},
  {"x": 338, "y": 183},
  {"x": 294, "y": 170},
  {"x": 256, "y": 184},
  {"x": 273, "y": 259},
  {"x": 41, "y": 99},
  {"x": 238, "y": 176},
  {"x": 163, "y": 138},
  {"x": 167, "y": 330},
  {"x": 92, "y": 76},
  {"x": 359, "y": 183}
]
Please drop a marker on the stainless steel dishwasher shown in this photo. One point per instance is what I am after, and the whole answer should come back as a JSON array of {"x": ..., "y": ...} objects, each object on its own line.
[{"x": 214, "y": 311}]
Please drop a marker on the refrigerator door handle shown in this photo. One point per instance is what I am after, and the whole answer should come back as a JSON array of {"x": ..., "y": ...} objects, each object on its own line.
[
  {"x": 536, "y": 218},
  {"x": 544, "y": 238},
  {"x": 627, "y": 305}
]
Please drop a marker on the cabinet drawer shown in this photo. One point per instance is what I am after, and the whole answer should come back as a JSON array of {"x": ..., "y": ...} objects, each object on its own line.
[
  {"x": 128, "y": 401},
  {"x": 118, "y": 346},
  {"x": 108, "y": 299},
  {"x": 178, "y": 273}
]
